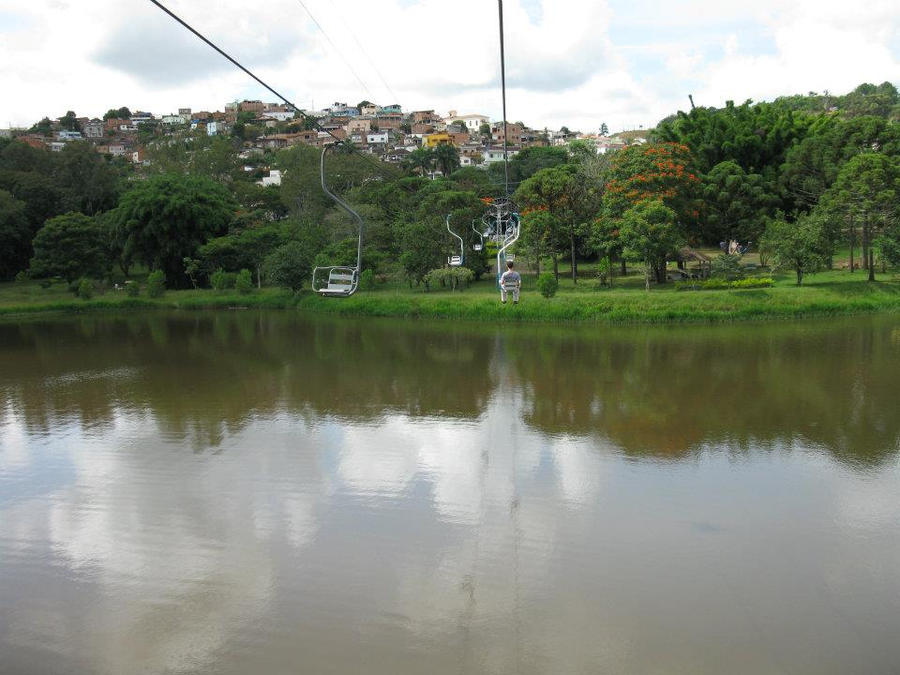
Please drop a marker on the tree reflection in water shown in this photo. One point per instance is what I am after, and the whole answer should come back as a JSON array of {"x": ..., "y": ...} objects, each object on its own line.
[{"x": 650, "y": 391}]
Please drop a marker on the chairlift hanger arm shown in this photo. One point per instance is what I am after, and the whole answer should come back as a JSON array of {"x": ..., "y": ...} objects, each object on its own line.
[{"x": 344, "y": 205}]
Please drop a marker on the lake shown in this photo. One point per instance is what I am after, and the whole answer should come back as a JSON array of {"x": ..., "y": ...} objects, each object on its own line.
[{"x": 262, "y": 492}]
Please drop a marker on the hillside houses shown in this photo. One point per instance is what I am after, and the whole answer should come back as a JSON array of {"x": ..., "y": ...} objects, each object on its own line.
[{"x": 384, "y": 131}]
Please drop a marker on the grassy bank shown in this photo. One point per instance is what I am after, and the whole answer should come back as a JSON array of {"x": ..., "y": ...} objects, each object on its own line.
[{"x": 826, "y": 294}]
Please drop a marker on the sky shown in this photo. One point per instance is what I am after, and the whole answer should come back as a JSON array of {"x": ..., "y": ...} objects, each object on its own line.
[{"x": 579, "y": 63}]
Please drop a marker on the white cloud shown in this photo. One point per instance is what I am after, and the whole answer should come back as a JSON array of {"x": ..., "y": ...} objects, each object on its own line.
[{"x": 577, "y": 62}]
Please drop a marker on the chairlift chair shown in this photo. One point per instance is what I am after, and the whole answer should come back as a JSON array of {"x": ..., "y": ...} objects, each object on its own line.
[
  {"x": 455, "y": 260},
  {"x": 342, "y": 280},
  {"x": 478, "y": 245}
]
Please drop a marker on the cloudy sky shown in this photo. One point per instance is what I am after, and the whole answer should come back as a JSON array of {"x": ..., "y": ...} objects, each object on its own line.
[{"x": 575, "y": 62}]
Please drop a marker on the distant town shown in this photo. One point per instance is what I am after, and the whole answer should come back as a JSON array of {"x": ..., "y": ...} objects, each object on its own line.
[{"x": 386, "y": 131}]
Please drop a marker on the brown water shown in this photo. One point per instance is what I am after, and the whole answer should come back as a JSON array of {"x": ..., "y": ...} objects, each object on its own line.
[{"x": 263, "y": 493}]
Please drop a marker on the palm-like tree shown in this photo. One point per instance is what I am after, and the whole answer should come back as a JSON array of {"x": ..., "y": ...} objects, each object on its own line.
[
  {"x": 447, "y": 158},
  {"x": 421, "y": 159}
]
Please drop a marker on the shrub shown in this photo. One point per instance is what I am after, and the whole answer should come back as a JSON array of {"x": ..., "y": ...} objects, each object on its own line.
[
  {"x": 22, "y": 276},
  {"x": 132, "y": 289},
  {"x": 547, "y": 284},
  {"x": 604, "y": 271},
  {"x": 453, "y": 277},
  {"x": 219, "y": 280},
  {"x": 367, "y": 280},
  {"x": 243, "y": 282},
  {"x": 85, "y": 289},
  {"x": 156, "y": 284},
  {"x": 726, "y": 267},
  {"x": 720, "y": 284}
]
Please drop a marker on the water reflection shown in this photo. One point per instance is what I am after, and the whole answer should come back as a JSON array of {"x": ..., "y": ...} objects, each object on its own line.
[
  {"x": 662, "y": 392},
  {"x": 250, "y": 492}
]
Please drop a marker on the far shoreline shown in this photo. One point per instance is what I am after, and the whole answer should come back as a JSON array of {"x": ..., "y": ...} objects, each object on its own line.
[{"x": 582, "y": 305}]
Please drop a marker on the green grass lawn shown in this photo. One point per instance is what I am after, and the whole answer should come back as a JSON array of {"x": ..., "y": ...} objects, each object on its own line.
[{"x": 828, "y": 293}]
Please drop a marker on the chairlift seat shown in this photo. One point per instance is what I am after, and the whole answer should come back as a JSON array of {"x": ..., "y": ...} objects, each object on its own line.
[
  {"x": 476, "y": 247},
  {"x": 340, "y": 282},
  {"x": 454, "y": 261}
]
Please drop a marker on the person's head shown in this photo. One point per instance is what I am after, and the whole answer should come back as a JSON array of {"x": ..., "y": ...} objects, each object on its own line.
[{"x": 509, "y": 264}]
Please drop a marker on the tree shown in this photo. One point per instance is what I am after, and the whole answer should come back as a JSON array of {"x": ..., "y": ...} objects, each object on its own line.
[
  {"x": 69, "y": 122},
  {"x": 421, "y": 159},
  {"x": 756, "y": 136},
  {"x": 246, "y": 248},
  {"x": 649, "y": 233},
  {"x": 811, "y": 166},
  {"x": 802, "y": 246},
  {"x": 15, "y": 236},
  {"x": 164, "y": 219},
  {"x": 554, "y": 190},
  {"x": 484, "y": 129},
  {"x": 447, "y": 158},
  {"x": 656, "y": 171},
  {"x": 44, "y": 127},
  {"x": 289, "y": 265},
  {"x": 122, "y": 113},
  {"x": 736, "y": 204},
  {"x": 604, "y": 130},
  {"x": 40, "y": 192},
  {"x": 866, "y": 191},
  {"x": 541, "y": 236},
  {"x": 213, "y": 156},
  {"x": 422, "y": 246},
  {"x": 72, "y": 245},
  {"x": 531, "y": 160},
  {"x": 88, "y": 181}
]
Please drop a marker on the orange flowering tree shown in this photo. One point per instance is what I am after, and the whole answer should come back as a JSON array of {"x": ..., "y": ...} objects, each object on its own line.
[{"x": 657, "y": 172}]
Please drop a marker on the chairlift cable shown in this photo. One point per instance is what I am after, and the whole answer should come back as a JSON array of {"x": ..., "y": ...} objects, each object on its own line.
[
  {"x": 335, "y": 48},
  {"x": 380, "y": 166},
  {"x": 241, "y": 66},
  {"x": 365, "y": 53},
  {"x": 503, "y": 90}
]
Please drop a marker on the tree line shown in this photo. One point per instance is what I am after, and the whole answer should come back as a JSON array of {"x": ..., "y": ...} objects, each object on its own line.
[{"x": 796, "y": 178}]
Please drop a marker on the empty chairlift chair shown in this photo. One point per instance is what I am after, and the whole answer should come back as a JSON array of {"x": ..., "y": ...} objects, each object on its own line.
[
  {"x": 342, "y": 280},
  {"x": 478, "y": 245},
  {"x": 455, "y": 260}
]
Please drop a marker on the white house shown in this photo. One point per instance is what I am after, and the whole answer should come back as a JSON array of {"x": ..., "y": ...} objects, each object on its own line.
[
  {"x": 491, "y": 155},
  {"x": 378, "y": 137},
  {"x": 280, "y": 115},
  {"x": 274, "y": 178},
  {"x": 172, "y": 120},
  {"x": 473, "y": 122}
]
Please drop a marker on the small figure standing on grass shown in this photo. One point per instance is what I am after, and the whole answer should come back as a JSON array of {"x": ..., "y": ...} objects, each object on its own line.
[{"x": 510, "y": 282}]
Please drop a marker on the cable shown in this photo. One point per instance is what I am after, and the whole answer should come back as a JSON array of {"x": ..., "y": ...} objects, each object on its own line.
[
  {"x": 503, "y": 89},
  {"x": 184, "y": 23},
  {"x": 365, "y": 53},
  {"x": 315, "y": 123},
  {"x": 334, "y": 47}
]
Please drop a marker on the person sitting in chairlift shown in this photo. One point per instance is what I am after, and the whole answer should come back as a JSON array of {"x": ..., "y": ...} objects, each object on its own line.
[{"x": 510, "y": 282}]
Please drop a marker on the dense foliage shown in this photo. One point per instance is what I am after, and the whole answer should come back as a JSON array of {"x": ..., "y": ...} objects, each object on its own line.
[{"x": 797, "y": 178}]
